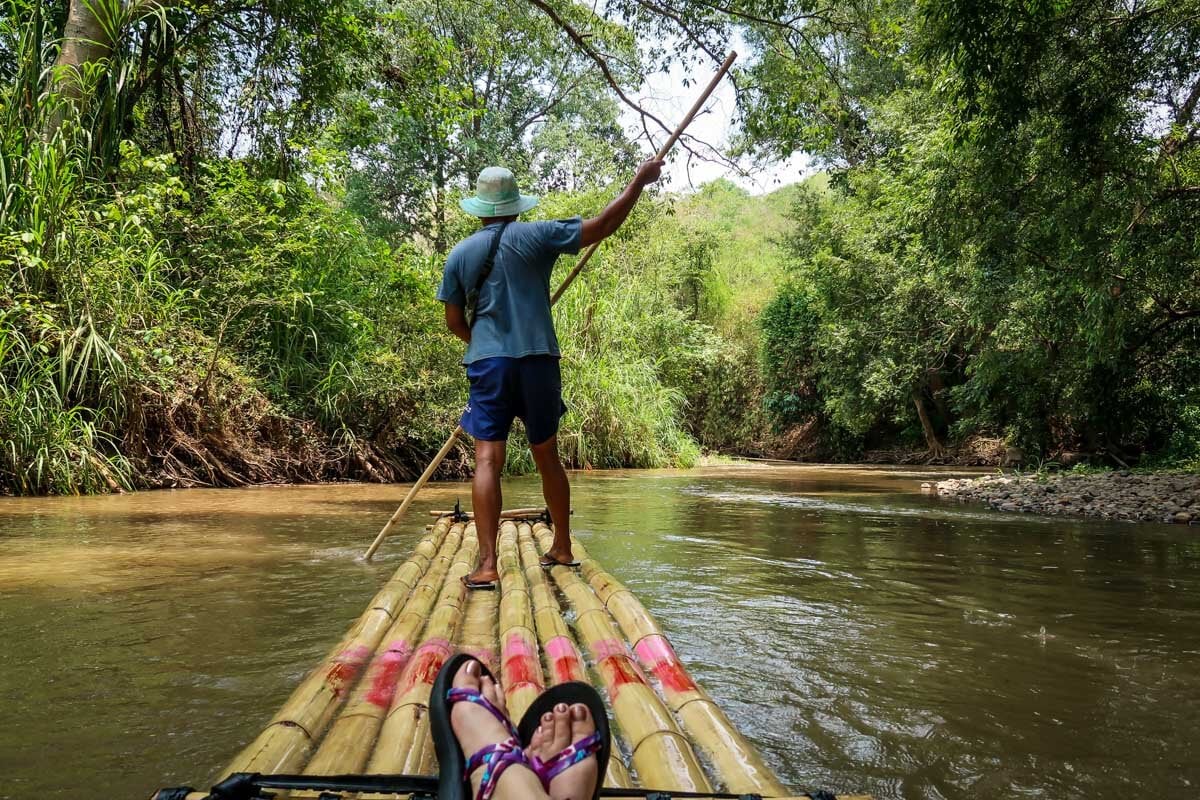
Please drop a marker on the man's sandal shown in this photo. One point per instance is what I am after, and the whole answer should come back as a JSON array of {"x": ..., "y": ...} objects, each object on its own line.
[
  {"x": 474, "y": 586},
  {"x": 548, "y": 561}
]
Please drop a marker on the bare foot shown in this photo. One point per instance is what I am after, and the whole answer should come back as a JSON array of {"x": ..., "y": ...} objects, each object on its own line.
[
  {"x": 557, "y": 730},
  {"x": 475, "y": 728}
]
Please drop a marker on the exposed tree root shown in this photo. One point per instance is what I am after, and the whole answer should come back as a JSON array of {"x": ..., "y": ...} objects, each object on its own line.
[{"x": 234, "y": 436}]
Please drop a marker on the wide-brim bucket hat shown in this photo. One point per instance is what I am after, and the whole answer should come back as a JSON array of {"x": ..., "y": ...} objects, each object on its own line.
[{"x": 496, "y": 195}]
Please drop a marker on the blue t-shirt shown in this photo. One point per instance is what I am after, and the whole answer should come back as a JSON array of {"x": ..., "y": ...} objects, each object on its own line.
[{"x": 513, "y": 309}]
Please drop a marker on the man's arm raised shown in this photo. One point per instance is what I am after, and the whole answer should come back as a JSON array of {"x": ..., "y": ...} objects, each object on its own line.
[{"x": 603, "y": 226}]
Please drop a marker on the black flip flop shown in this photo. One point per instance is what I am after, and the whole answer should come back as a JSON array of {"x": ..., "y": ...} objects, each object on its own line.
[
  {"x": 571, "y": 693},
  {"x": 453, "y": 781},
  {"x": 485, "y": 586},
  {"x": 549, "y": 563}
]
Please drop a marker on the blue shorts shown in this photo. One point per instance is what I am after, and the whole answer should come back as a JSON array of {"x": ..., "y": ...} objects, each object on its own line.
[{"x": 504, "y": 388}]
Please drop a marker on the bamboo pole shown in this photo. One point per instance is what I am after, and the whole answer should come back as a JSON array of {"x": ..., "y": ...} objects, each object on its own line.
[
  {"x": 571, "y": 276},
  {"x": 738, "y": 765},
  {"x": 412, "y": 492},
  {"x": 563, "y": 661},
  {"x": 520, "y": 669},
  {"x": 288, "y": 738},
  {"x": 347, "y": 746},
  {"x": 404, "y": 745},
  {"x": 478, "y": 636},
  {"x": 661, "y": 754},
  {"x": 512, "y": 513},
  {"x": 660, "y": 155}
]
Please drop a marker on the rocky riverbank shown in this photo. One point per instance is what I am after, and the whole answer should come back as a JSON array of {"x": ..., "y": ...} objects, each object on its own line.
[{"x": 1167, "y": 497}]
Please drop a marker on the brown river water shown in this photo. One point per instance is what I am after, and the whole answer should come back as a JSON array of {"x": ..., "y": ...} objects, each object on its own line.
[{"x": 865, "y": 637}]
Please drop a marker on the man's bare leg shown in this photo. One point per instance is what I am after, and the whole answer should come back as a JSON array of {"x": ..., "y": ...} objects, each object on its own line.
[
  {"x": 557, "y": 491},
  {"x": 485, "y": 502}
]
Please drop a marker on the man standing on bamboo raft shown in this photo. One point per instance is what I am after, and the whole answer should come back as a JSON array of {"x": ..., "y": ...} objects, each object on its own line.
[{"x": 502, "y": 273}]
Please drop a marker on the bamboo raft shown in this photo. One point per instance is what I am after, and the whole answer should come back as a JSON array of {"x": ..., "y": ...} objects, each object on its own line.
[{"x": 364, "y": 709}]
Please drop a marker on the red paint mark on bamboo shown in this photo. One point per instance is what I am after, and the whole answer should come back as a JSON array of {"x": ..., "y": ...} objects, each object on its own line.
[
  {"x": 565, "y": 663},
  {"x": 345, "y": 668},
  {"x": 618, "y": 672},
  {"x": 424, "y": 666},
  {"x": 384, "y": 670},
  {"x": 657, "y": 655},
  {"x": 607, "y": 648},
  {"x": 520, "y": 663}
]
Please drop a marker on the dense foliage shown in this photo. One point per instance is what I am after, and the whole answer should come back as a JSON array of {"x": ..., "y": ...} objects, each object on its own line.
[
  {"x": 1009, "y": 245},
  {"x": 221, "y": 225}
]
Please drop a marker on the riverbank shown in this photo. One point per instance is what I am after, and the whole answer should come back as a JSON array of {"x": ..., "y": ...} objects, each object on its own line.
[{"x": 1136, "y": 497}]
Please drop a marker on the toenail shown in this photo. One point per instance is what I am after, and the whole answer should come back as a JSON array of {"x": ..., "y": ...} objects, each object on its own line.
[{"x": 561, "y": 708}]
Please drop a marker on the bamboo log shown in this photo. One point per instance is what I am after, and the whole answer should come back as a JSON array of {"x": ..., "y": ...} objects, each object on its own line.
[
  {"x": 479, "y": 629},
  {"x": 738, "y": 765},
  {"x": 661, "y": 755},
  {"x": 563, "y": 661},
  {"x": 287, "y": 740},
  {"x": 404, "y": 745},
  {"x": 520, "y": 669},
  {"x": 347, "y": 746}
]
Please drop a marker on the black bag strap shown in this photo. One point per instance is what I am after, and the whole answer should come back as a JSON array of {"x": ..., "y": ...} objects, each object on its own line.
[{"x": 488, "y": 263}]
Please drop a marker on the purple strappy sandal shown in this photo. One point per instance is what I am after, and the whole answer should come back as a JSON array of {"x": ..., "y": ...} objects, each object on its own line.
[
  {"x": 454, "y": 769},
  {"x": 599, "y": 744}
]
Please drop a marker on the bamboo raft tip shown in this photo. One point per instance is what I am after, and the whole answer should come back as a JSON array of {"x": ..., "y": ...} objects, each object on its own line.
[{"x": 364, "y": 709}]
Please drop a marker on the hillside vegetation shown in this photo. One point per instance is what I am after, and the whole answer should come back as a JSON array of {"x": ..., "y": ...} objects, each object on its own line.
[{"x": 222, "y": 224}]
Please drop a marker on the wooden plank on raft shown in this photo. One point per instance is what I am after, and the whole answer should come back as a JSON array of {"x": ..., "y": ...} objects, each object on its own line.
[{"x": 510, "y": 513}]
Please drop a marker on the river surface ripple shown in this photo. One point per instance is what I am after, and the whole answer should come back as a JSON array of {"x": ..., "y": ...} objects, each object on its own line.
[{"x": 864, "y": 637}]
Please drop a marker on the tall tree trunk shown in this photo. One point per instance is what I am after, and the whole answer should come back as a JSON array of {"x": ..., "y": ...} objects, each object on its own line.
[
  {"x": 936, "y": 450},
  {"x": 937, "y": 388},
  {"x": 439, "y": 206},
  {"x": 85, "y": 41}
]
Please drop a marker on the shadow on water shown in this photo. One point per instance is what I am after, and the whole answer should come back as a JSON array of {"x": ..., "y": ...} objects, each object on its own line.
[{"x": 864, "y": 636}]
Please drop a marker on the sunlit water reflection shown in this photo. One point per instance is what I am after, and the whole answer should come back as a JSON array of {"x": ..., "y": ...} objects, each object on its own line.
[{"x": 865, "y": 637}]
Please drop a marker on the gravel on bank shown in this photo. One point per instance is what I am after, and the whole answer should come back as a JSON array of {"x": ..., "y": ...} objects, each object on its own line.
[{"x": 1138, "y": 497}]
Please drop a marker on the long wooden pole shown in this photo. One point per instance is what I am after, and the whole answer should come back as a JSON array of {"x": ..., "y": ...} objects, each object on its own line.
[
  {"x": 416, "y": 487},
  {"x": 571, "y": 276},
  {"x": 659, "y": 156}
]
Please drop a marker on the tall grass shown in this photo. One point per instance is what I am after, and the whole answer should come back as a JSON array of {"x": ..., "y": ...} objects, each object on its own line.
[{"x": 80, "y": 275}]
